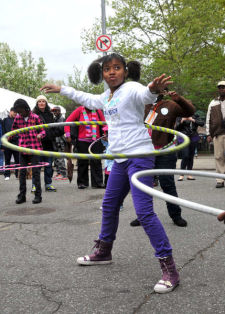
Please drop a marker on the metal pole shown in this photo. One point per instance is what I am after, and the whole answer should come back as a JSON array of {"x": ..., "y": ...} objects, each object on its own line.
[
  {"x": 103, "y": 18},
  {"x": 104, "y": 31}
]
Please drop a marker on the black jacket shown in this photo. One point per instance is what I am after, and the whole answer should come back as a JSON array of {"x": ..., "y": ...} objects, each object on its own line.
[
  {"x": 189, "y": 128},
  {"x": 51, "y": 133},
  {"x": 7, "y": 127}
]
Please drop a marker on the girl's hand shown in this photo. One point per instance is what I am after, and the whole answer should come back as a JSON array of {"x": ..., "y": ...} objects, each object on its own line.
[
  {"x": 39, "y": 137},
  {"x": 159, "y": 84},
  {"x": 51, "y": 88}
]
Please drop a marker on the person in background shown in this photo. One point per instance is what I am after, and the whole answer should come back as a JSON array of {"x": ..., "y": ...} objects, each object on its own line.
[
  {"x": 31, "y": 139},
  {"x": 87, "y": 134},
  {"x": 164, "y": 113},
  {"x": 215, "y": 130},
  {"x": 43, "y": 110},
  {"x": 1, "y": 149},
  {"x": 189, "y": 126},
  {"x": 60, "y": 146},
  {"x": 8, "y": 153}
]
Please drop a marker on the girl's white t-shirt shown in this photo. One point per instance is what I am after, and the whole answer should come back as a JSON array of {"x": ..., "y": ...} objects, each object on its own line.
[{"x": 124, "y": 114}]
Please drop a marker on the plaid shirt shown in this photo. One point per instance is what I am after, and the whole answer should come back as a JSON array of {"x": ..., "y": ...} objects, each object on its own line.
[{"x": 29, "y": 139}]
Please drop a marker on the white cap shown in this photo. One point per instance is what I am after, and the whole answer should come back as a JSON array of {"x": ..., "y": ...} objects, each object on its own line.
[
  {"x": 221, "y": 83},
  {"x": 41, "y": 97}
]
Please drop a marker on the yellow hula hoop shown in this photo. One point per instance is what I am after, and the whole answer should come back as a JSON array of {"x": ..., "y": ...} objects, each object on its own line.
[{"x": 29, "y": 151}]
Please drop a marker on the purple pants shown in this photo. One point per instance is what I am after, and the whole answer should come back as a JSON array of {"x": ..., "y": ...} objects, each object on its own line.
[{"x": 118, "y": 186}]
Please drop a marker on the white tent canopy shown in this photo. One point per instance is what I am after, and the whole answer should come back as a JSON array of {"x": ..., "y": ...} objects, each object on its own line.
[{"x": 7, "y": 99}]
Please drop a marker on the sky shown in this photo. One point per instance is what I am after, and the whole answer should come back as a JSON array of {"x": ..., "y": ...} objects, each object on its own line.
[{"x": 50, "y": 29}]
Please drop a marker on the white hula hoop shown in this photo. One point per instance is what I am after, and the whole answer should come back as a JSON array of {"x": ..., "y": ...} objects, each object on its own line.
[{"x": 172, "y": 199}]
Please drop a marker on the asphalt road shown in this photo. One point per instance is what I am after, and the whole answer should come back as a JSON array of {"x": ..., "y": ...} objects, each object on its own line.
[{"x": 40, "y": 244}]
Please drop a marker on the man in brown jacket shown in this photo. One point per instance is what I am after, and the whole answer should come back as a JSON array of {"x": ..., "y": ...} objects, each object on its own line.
[
  {"x": 164, "y": 113},
  {"x": 215, "y": 130}
]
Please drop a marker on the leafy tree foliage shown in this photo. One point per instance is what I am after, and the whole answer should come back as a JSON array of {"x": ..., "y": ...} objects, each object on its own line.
[
  {"x": 182, "y": 38},
  {"x": 21, "y": 73}
]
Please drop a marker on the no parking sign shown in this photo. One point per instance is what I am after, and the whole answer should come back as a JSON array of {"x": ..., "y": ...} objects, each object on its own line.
[{"x": 104, "y": 43}]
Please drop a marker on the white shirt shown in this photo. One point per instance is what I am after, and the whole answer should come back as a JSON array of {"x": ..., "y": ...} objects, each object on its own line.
[{"x": 124, "y": 114}]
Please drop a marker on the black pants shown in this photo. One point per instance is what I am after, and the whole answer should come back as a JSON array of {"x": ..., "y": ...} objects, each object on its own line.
[
  {"x": 187, "y": 155},
  {"x": 24, "y": 161},
  {"x": 167, "y": 182},
  {"x": 8, "y": 154},
  {"x": 83, "y": 164}
]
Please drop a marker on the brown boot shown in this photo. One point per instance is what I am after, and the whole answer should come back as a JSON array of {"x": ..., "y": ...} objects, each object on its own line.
[
  {"x": 170, "y": 278},
  {"x": 102, "y": 254}
]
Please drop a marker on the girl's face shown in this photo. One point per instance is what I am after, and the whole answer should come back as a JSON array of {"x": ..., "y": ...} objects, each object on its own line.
[
  {"x": 114, "y": 74},
  {"x": 41, "y": 104},
  {"x": 22, "y": 112}
]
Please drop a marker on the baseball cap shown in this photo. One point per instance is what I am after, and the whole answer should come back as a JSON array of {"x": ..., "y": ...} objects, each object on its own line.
[
  {"x": 56, "y": 108},
  {"x": 221, "y": 83}
]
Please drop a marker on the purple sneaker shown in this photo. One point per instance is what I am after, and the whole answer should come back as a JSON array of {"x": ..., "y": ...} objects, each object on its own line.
[
  {"x": 170, "y": 279},
  {"x": 101, "y": 256}
]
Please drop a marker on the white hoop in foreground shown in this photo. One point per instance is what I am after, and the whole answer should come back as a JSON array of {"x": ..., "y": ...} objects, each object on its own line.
[{"x": 172, "y": 199}]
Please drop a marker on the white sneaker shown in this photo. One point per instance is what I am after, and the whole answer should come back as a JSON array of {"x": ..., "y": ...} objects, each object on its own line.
[{"x": 6, "y": 178}]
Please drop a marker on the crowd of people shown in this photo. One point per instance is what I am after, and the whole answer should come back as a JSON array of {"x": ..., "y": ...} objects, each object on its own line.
[{"x": 125, "y": 106}]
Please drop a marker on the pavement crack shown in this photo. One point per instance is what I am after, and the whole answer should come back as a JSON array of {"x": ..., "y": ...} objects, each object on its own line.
[
  {"x": 45, "y": 293},
  {"x": 35, "y": 249},
  {"x": 200, "y": 252}
]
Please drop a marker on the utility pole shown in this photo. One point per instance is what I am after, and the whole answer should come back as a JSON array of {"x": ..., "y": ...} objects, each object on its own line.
[
  {"x": 103, "y": 21},
  {"x": 104, "y": 32}
]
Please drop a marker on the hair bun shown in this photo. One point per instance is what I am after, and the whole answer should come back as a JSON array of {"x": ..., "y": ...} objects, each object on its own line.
[
  {"x": 95, "y": 73},
  {"x": 134, "y": 70}
]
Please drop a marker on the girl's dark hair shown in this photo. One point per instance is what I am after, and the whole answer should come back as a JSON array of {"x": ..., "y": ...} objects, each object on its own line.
[
  {"x": 95, "y": 68},
  {"x": 21, "y": 104}
]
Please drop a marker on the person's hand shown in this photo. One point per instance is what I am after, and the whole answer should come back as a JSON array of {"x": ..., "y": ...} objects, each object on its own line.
[
  {"x": 39, "y": 137},
  {"x": 183, "y": 119},
  {"x": 68, "y": 139},
  {"x": 50, "y": 88},
  {"x": 159, "y": 84},
  {"x": 221, "y": 217},
  {"x": 209, "y": 139},
  {"x": 105, "y": 137},
  {"x": 174, "y": 96}
]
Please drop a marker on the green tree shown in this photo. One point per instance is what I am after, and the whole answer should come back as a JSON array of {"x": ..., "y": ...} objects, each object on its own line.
[
  {"x": 21, "y": 73},
  {"x": 182, "y": 38}
]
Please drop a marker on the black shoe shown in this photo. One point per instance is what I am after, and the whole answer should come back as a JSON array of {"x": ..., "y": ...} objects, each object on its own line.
[
  {"x": 219, "y": 185},
  {"x": 180, "y": 222},
  {"x": 99, "y": 186},
  {"x": 37, "y": 200},
  {"x": 21, "y": 199},
  {"x": 82, "y": 186},
  {"x": 135, "y": 223}
]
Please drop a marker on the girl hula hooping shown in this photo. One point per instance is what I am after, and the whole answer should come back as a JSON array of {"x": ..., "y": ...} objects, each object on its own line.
[{"x": 123, "y": 105}]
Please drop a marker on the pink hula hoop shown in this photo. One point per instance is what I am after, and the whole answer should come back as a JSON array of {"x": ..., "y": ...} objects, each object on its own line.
[{"x": 18, "y": 167}]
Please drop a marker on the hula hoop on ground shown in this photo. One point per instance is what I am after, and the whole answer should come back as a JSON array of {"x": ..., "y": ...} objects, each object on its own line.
[
  {"x": 29, "y": 151},
  {"x": 176, "y": 200},
  {"x": 18, "y": 167}
]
